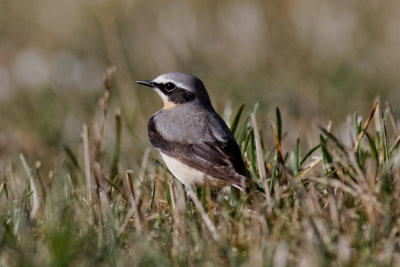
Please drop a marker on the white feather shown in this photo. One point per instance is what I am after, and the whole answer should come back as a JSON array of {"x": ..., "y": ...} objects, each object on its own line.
[
  {"x": 161, "y": 94},
  {"x": 189, "y": 176},
  {"x": 163, "y": 80}
]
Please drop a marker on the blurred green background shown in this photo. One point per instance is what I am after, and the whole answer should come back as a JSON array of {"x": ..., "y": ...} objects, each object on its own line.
[{"x": 316, "y": 60}]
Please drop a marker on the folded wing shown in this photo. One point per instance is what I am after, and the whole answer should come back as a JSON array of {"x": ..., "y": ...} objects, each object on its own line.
[{"x": 218, "y": 157}]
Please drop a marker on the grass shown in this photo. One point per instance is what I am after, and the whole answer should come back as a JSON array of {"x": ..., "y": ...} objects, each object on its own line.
[{"x": 336, "y": 203}]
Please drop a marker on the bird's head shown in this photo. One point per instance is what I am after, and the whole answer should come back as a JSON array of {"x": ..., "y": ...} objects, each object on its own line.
[{"x": 176, "y": 88}]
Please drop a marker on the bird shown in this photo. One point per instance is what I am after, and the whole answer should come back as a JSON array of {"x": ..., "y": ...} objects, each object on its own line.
[{"x": 194, "y": 141}]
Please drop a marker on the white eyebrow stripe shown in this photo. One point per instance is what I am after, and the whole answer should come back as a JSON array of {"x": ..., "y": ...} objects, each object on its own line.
[{"x": 162, "y": 80}]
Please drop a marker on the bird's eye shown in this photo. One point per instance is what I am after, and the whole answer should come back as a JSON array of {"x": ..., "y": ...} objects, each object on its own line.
[{"x": 170, "y": 87}]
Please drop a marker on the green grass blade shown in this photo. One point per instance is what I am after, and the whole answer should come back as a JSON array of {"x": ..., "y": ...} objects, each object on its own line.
[
  {"x": 71, "y": 156},
  {"x": 115, "y": 161},
  {"x": 252, "y": 151},
  {"x": 278, "y": 124},
  {"x": 298, "y": 153},
  {"x": 357, "y": 124},
  {"x": 7, "y": 192},
  {"x": 395, "y": 145},
  {"x": 242, "y": 131},
  {"x": 236, "y": 119},
  {"x": 247, "y": 141},
  {"x": 385, "y": 142},
  {"x": 326, "y": 156},
  {"x": 166, "y": 188},
  {"x": 309, "y": 154},
  {"x": 35, "y": 195},
  {"x": 334, "y": 139},
  {"x": 374, "y": 151},
  {"x": 4, "y": 187}
]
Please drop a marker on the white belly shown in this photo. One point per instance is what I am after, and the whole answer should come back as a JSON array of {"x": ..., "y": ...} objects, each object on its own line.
[{"x": 189, "y": 176}]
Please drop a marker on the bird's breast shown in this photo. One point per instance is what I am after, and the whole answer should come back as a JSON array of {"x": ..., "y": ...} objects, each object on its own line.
[{"x": 182, "y": 125}]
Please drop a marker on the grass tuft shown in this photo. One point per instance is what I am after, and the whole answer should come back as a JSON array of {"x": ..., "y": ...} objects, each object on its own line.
[{"x": 336, "y": 204}]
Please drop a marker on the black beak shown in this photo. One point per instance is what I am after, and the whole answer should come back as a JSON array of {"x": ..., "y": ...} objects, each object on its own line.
[{"x": 147, "y": 83}]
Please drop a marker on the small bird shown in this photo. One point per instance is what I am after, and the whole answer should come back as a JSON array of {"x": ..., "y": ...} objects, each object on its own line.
[{"x": 194, "y": 141}]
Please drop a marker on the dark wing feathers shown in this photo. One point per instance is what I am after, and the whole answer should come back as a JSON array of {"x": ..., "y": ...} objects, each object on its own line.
[{"x": 219, "y": 159}]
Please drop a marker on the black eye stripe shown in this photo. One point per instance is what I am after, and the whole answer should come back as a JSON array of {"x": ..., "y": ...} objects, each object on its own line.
[
  {"x": 166, "y": 88},
  {"x": 181, "y": 96},
  {"x": 177, "y": 95},
  {"x": 159, "y": 86}
]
